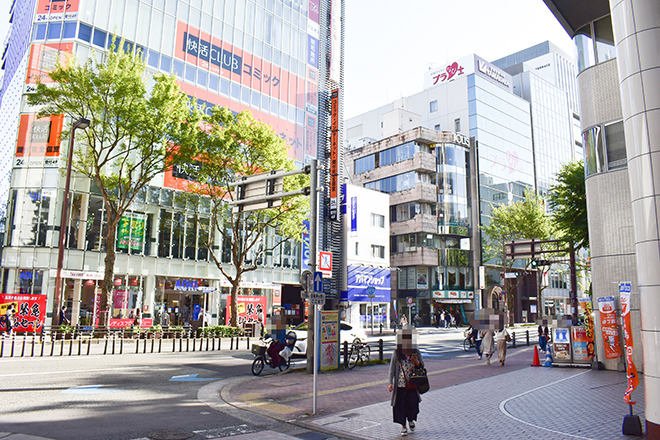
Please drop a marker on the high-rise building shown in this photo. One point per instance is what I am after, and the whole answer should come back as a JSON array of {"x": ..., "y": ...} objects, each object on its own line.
[
  {"x": 279, "y": 59},
  {"x": 619, "y": 79}
]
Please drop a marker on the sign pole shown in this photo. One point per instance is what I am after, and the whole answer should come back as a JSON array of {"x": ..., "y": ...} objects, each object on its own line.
[
  {"x": 313, "y": 228},
  {"x": 315, "y": 359}
]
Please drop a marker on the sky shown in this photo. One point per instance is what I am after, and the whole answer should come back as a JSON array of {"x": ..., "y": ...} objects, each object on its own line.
[{"x": 389, "y": 44}]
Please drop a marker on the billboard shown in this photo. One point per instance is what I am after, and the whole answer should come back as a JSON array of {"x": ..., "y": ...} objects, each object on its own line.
[
  {"x": 251, "y": 309},
  {"x": 362, "y": 277},
  {"x": 29, "y": 311}
]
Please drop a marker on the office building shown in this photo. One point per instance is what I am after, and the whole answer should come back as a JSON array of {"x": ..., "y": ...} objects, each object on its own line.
[{"x": 278, "y": 59}]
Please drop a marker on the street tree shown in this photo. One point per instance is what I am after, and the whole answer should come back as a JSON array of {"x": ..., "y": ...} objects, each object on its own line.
[
  {"x": 232, "y": 146},
  {"x": 569, "y": 203},
  {"x": 133, "y": 130},
  {"x": 525, "y": 219}
]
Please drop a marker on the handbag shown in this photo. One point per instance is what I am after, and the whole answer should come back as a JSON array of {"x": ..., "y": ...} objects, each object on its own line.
[
  {"x": 418, "y": 379},
  {"x": 507, "y": 337}
]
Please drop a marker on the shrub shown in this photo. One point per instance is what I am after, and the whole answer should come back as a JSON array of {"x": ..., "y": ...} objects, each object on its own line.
[{"x": 220, "y": 331}]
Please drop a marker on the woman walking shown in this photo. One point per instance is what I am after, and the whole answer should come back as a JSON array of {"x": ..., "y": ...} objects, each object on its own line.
[
  {"x": 405, "y": 399},
  {"x": 488, "y": 344},
  {"x": 502, "y": 337}
]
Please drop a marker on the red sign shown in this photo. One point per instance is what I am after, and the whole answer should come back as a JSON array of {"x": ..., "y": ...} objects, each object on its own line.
[
  {"x": 29, "y": 311},
  {"x": 609, "y": 327},
  {"x": 631, "y": 370},
  {"x": 251, "y": 309},
  {"x": 57, "y": 6}
]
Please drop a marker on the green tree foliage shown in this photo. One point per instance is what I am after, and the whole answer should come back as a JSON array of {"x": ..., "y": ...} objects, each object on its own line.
[
  {"x": 569, "y": 202},
  {"x": 132, "y": 131},
  {"x": 232, "y": 146},
  {"x": 526, "y": 219}
]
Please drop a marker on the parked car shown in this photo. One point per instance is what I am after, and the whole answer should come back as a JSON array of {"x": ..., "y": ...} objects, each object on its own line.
[{"x": 347, "y": 333}]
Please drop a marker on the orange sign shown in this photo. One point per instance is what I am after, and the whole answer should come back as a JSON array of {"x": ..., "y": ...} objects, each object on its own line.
[
  {"x": 631, "y": 370},
  {"x": 39, "y": 137},
  {"x": 43, "y": 59},
  {"x": 57, "y": 6},
  {"x": 609, "y": 327}
]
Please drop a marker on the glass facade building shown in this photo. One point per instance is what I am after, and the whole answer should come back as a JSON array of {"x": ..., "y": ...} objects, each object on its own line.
[{"x": 276, "y": 58}]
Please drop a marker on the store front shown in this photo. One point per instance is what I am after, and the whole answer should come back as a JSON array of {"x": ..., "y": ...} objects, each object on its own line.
[
  {"x": 183, "y": 299},
  {"x": 367, "y": 297}
]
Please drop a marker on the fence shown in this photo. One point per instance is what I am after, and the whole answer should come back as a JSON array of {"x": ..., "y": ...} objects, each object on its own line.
[{"x": 110, "y": 342}]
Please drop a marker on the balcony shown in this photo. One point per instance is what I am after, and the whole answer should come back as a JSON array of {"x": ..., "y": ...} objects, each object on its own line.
[
  {"x": 425, "y": 192},
  {"x": 420, "y": 256},
  {"x": 420, "y": 223}
]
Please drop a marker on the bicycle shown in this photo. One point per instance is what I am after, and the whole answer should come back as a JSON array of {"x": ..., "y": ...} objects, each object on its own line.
[
  {"x": 468, "y": 343},
  {"x": 359, "y": 352}
]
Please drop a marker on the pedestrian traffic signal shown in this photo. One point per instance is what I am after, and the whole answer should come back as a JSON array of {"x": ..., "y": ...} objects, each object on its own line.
[{"x": 535, "y": 263}]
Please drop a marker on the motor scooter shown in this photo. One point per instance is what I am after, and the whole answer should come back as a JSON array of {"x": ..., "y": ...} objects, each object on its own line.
[{"x": 267, "y": 352}]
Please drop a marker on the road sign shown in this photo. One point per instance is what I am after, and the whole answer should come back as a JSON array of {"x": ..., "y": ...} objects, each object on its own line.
[
  {"x": 318, "y": 282},
  {"x": 410, "y": 300},
  {"x": 370, "y": 291},
  {"x": 325, "y": 263},
  {"x": 307, "y": 280},
  {"x": 317, "y": 299}
]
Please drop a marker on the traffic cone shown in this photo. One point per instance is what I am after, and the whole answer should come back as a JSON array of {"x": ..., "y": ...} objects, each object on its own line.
[
  {"x": 536, "y": 362},
  {"x": 548, "y": 358}
]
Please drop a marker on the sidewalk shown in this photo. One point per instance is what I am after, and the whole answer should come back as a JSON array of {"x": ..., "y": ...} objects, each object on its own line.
[{"x": 468, "y": 400}]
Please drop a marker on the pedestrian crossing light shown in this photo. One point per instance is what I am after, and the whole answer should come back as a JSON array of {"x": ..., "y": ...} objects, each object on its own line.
[{"x": 535, "y": 263}]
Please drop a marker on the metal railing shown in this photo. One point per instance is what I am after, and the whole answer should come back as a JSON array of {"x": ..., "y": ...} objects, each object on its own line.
[{"x": 100, "y": 341}]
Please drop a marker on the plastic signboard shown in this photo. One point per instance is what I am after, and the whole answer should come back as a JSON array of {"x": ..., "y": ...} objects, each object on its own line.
[{"x": 329, "y": 328}]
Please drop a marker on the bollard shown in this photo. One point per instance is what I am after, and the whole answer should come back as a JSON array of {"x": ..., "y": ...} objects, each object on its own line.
[
  {"x": 153, "y": 342},
  {"x": 62, "y": 346},
  {"x": 89, "y": 344},
  {"x": 345, "y": 355},
  {"x": 188, "y": 342},
  {"x": 137, "y": 346},
  {"x": 144, "y": 346},
  {"x": 79, "y": 345},
  {"x": 248, "y": 343},
  {"x": 181, "y": 344},
  {"x": 160, "y": 343},
  {"x": 380, "y": 350},
  {"x": 231, "y": 343},
  {"x": 207, "y": 343},
  {"x": 174, "y": 343},
  {"x": 513, "y": 339},
  {"x": 12, "y": 345},
  {"x": 23, "y": 349},
  {"x": 121, "y": 343},
  {"x": 213, "y": 343},
  {"x": 194, "y": 341},
  {"x": 42, "y": 340},
  {"x": 527, "y": 336},
  {"x": 2, "y": 347},
  {"x": 71, "y": 346}
]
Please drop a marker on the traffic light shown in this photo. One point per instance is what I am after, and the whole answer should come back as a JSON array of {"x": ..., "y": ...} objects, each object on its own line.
[{"x": 535, "y": 263}]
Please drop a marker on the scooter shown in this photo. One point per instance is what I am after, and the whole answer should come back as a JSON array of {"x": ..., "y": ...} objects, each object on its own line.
[{"x": 268, "y": 352}]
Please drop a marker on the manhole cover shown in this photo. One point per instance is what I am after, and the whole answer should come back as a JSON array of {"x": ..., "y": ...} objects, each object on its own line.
[{"x": 170, "y": 434}]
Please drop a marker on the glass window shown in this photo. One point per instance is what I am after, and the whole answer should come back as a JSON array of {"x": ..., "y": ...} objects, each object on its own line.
[
  {"x": 99, "y": 38},
  {"x": 585, "y": 48},
  {"x": 605, "y": 49},
  {"x": 235, "y": 91},
  {"x": 214, "y": 81},
  {"x": 224, "y": 86},
  {"x": 178, "y": 68},
  {"x": 591, "y": 142},
  {"x": 191, "y": 73},
  {"x": 377, "y": 251},
  {"x": 40, "y": 31},
  {"x": 457, "y": 125},
  {"x": 202, "y": 77},
  {"x": 437, "y": 127},
  {"x": 54, "y": 30},
  {"x": 377, "y": 220},
  {"x": 70, "y": 28},
  {"x": 168, "y": 37},
  {"x": 165, "y": 64},
  {"x": 433, "y": 106},
  {"x": 256, "y": 99},
  {"x": 153, "y": 58},
  {"x": 615, "y": 143},
  {"x": 245, "y": 95},
  {"x": 265, "y": 102},
  {"x": 156, "y": 30}
]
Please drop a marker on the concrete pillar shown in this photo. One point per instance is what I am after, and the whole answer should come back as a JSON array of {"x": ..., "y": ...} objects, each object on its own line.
[{"x": 637, "y": 37}]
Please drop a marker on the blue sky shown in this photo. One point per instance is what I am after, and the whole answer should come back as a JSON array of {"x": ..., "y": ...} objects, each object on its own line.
[{"x": 389, "y": 44}]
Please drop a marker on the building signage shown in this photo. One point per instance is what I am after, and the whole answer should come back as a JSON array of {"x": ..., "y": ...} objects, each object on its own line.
[
  {"x": 57, "y": 10},
  {"x": 461, "y": 139},
  {"x": 305, "y": 246},
  {"x": 609, "y": 327},
  {"x": 449, "y": 72},
  {"x": 334, "y": 154},
  {"x": 353, "y": 215},
  {"x": 496, "y": 75},
  {"x": 78, "y": 275},
  {"x": 29, "y": 311},
  {"x": 453, "y": 294},
  {"x": 130, "y": 231},
  {"x": 362, "y": 278},
  {"x": 186, "y": 285},
  {"x": 210, "y": 53}
]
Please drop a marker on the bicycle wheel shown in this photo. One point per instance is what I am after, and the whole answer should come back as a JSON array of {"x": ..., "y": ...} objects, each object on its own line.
[
  {"x": 353, "y": 357},
  {"x": 466, "y": 344},
  {"x": 365, "y": 352},
  {"x": 258, "y": 366}
]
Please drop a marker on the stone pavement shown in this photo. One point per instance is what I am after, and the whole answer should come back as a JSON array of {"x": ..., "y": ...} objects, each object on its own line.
[{"x": 468, "y": 400}]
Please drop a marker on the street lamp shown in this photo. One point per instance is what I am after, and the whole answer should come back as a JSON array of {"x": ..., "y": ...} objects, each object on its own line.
[{"x": 81, "y": 123}]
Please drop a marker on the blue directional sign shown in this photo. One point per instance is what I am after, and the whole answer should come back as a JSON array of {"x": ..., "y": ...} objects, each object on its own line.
[
  {"x": 318, "y": 282},
  {"x": 370, "y": 291}
]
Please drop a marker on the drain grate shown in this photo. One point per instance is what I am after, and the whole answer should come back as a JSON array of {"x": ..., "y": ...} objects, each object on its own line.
[{"x": 170, "y": 434}]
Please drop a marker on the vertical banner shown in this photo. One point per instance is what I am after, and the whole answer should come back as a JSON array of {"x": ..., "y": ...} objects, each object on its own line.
[
  {"x": 561, "y": 345},
  {"x": 329, "y": 339},
  {"x": 580, "y": 344},
  {"x": 130, "y": 231},
  {"x": 353, "y": 216},
  {"x": 335, "y": 41},
  {"x": 305, "y": 246},
  {"x": 585, "y": 303},
  {"x": 29, "y": 311},
  {"x": 334, "y": 154},
  {"x": 633, "y": 380},
  {"x": 608, "y": 327}
]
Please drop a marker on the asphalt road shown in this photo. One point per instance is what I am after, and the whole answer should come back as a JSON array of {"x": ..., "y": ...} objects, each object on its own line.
[{"x": 131, "y": 396}]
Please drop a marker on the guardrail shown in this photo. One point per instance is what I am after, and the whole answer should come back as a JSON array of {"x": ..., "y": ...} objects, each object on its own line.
[
  {"x": 110, "y": 342},
  {"x": 523, "y": 336}
]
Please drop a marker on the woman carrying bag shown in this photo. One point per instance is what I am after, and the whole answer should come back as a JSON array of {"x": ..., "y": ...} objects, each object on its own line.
[{"x": 406, "y": 358}]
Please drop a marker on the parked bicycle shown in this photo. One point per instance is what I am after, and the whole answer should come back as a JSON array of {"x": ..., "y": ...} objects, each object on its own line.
[{"x": 359, "y": 352}]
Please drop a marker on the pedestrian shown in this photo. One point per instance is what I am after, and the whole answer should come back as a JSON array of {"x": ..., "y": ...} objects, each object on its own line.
[
  {"x": 442, "y": 319},
  {"x": 437, "y": 319},
  {"x": 477, "y": 337},
  {"x": 64, "y": 320},
  {"x": 9, "y": 320},
  {"x": 457, "y": 318},
  {"x": 487, "y": 344},
  {"x": 405, "y": 398},
  {"x": 502, "y": 337},
  {"x": 542, "y": 338},
  {"x": 137, "y": 322},
  {"x": 404, "y": 320},
  {"x": 448, "y": 319}
]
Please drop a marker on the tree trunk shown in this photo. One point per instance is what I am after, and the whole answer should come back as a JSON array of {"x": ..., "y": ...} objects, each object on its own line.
[
  {"x": 234, "y": 302},
  {"x": 108, "y": 278}
]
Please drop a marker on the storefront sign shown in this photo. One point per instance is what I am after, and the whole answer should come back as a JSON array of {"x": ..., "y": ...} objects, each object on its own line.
[
  {"x": 329, "y": 339},
  {"x": 609, "y": 327},
  {"x": 29, "y": 311},
  {"x": 305, "y": 246},
  {"x": 57, "y": 10},
  {"x": 353, "y": 215},
  {"x": 251, "y": 309},
  {"x": 360, "y": 278},
  {"x": 633, "y": 379},
  {"x": 580, "y": 344},
  {"x": 453, "y": 294},
  {"x": 561, "y": 345},
  {"x": 585, "y": 303},
  {"x": 487, "y": 70},
  {"x": 186, "y": 285},
  {"x": 78, "y": 275},
  {"x": 128, "y": 322}
]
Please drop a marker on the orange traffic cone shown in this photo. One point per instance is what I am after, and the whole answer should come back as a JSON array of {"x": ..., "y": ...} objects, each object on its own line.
[{"x": 536, "y": 362}]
